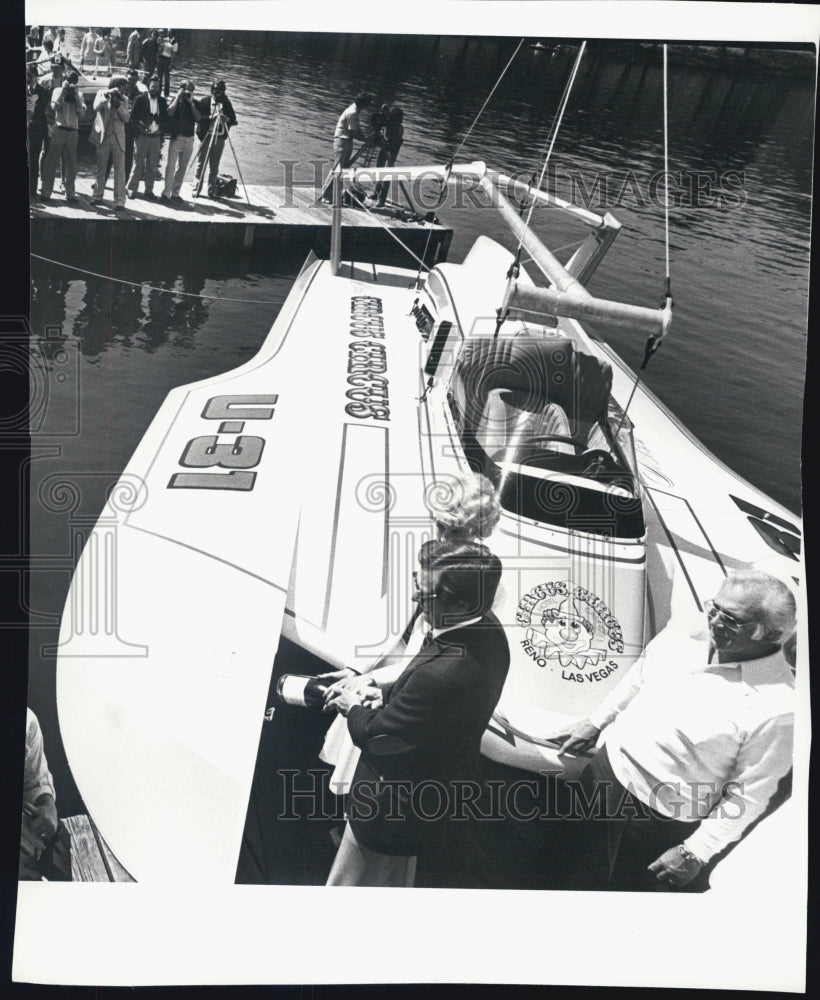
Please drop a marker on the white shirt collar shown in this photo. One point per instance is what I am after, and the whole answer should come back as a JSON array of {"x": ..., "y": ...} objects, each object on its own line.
[{"x": 449, "y": 628}]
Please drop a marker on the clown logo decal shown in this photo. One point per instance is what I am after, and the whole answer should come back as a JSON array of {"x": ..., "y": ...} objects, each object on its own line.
[{"x": 572, "y": 629}]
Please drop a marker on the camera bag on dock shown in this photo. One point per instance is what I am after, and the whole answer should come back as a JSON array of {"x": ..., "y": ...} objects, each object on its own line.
[{"x": 225, "y": 186}]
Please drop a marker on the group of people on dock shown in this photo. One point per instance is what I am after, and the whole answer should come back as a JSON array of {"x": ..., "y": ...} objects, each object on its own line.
[
  {"x": 129, "y": 118},
  {"x": 132, "y": 111}
]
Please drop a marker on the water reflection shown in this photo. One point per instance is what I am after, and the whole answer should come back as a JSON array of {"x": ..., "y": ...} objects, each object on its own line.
[{"x": 146, "y": 305}]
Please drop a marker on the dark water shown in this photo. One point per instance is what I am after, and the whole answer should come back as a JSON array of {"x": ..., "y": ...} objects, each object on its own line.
[{"x": 732, "y": 368}]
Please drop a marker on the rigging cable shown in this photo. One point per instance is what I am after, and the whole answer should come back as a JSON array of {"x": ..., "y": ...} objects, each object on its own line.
[
  {"x": 389, "y": 232},
  {"x": 555, "y": 128},
  {"x": 486, "y": 102},
  {"x": 515, "y": 268},
  {"x": 522, "y": 205},
  {"x": 654, "y": 340},
  {"x": 448, "y": 168},
  {"x": 449, "y": 164}
]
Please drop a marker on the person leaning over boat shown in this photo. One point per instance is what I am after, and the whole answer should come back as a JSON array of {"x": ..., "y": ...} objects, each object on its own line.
[
  {"x": 216, "y": 118},
  {"x": 183, "y": 115},
  {"x": 68, "y": 106},
  {"x": 113, "y": 113},
  {"x": 700, "y": 732},
  {"x": 38, "y": 97},
  {"x": 150, "y": 112},
  {"x": 348, "y": 128},
  {"x": 427, "y": 732}
]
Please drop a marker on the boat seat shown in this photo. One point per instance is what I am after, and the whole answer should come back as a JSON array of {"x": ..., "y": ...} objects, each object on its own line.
[{"x": 539, "y": 371}]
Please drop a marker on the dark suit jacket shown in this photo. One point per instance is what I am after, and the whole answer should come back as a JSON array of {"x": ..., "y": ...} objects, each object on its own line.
[
  {"x": 141, "y": 113},
  {"x": 429, "y": 730}
]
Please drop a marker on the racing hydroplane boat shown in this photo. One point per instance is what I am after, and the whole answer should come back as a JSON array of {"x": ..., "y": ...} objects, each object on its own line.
[{"x": 290, "y": 496}]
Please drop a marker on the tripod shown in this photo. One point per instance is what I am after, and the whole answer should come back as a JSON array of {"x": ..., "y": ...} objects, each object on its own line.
[
  {"x": 366, "y": 148},
  {"x": 217, "y": 130}
]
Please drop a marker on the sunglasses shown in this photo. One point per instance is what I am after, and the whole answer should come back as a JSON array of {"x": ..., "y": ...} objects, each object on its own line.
[{"x": 728, "y": 621}]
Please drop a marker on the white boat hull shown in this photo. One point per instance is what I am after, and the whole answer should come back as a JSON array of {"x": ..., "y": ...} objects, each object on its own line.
[{"x": 291, "y": 496}]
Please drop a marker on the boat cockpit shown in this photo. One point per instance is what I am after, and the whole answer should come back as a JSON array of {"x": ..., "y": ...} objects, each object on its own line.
[{"x": 535, "y": 415}]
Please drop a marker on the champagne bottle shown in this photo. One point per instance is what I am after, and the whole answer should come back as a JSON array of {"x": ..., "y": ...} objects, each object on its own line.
[{"x": 302, "y": 690}]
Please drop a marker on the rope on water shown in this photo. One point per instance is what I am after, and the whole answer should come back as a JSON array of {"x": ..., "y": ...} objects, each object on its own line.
[{"x": 168, "y": 291}]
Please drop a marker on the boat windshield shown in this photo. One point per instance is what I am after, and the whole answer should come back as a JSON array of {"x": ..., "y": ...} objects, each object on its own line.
[{"x": 534, "y": 414}]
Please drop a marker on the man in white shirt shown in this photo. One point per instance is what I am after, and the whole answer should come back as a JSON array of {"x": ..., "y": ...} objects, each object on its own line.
[
  {"x": 695, "y": 740},
  {"x": 348, "y": 128}
]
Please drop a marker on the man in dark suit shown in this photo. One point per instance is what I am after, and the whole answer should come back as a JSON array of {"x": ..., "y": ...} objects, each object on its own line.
[
  {"x": 420, "y": 748},
  {"x": 150, "y": 115}
]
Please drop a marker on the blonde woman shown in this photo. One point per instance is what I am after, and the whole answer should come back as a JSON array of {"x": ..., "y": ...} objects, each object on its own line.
[{"x": 463, "y": 509}]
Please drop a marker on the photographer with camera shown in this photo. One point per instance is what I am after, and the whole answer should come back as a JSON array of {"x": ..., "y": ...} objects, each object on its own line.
[
  {"x": 113, "y": 113},
  {"x": 132, "y": 90},
  {"x": 217, "y": 117},
  {"x": 38, "y": 97},
  {"x": 183, "y": 115},
  {"x": 68, "y": 107},
  {"x": 391, "y": 136},
  {"x": 150, "y": 112}
]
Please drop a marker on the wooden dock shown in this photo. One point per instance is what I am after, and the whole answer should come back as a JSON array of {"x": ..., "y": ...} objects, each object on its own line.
[
  {"x": 289, "y": 220},
  {"x": 91, "y": 858}
]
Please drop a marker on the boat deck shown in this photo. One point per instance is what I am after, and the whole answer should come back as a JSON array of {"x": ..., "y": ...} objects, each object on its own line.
[{"x": 273, "y": 217}]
